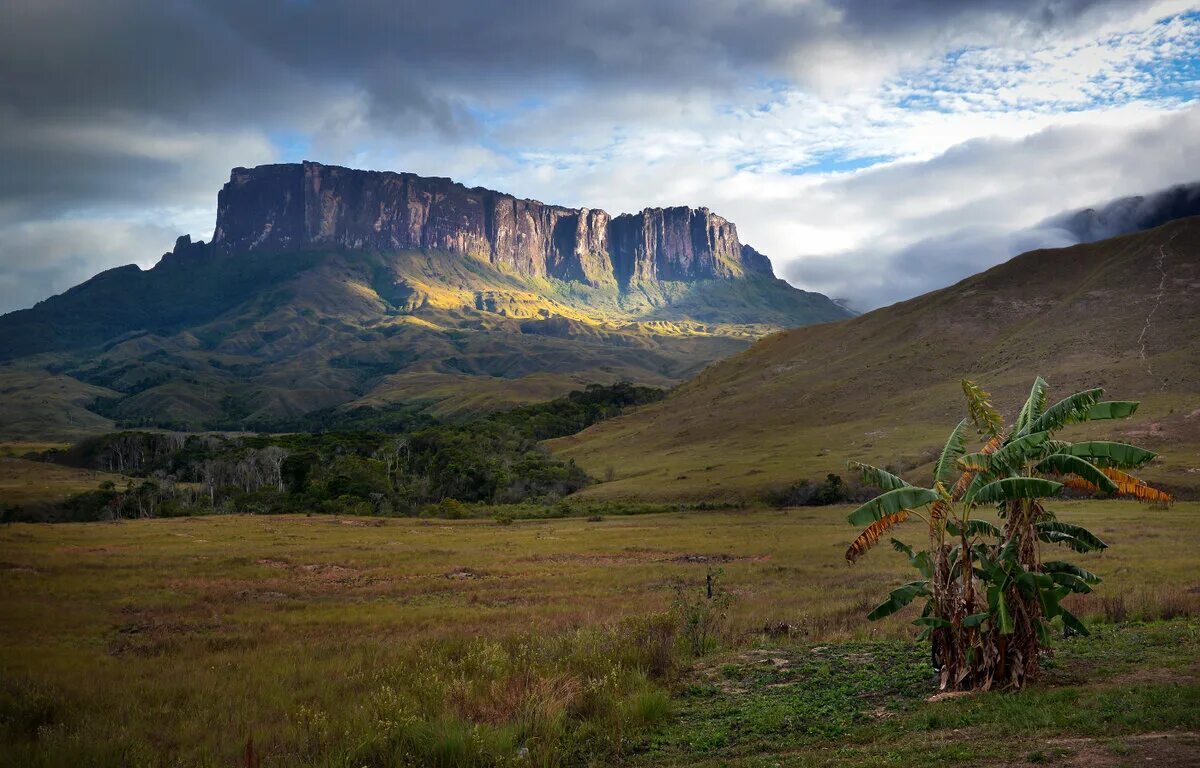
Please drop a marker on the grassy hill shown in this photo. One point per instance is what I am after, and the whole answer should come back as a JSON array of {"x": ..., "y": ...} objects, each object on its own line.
[{"x": 884, "y": 387}]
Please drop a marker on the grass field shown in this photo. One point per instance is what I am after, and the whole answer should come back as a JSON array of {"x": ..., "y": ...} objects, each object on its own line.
[
  {"x": 328, "y": 641},
  {"x": 18, "y": 449},
  {"x": 24, "y": 482}
]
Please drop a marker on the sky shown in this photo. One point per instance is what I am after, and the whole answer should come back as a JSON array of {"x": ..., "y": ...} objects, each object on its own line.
[{"x": 874, "y": 149}]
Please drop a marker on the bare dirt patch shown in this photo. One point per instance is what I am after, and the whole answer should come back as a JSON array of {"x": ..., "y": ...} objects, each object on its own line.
[
  {"x": 1178, "y": 749},
  {"x": 464, "y": 574},
  {"x": 324, "y": 572}
]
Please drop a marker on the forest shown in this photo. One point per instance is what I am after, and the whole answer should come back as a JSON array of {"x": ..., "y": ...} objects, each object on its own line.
[{"x": 435, "y": 468}]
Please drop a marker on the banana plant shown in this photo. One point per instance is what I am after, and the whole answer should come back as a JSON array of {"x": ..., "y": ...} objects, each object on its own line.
[
  {"x": 988, "y": 595},
  {"x": 1020, "y": 584},
  {"x": 949, "y": 579},
  {"x": 1030, "y": 449}
]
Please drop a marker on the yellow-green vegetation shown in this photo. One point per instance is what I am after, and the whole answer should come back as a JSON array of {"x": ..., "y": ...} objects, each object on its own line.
[
  {"x": 24, "y": 482},
  {"x": 879, "y": 388},
  {"x": 339, "y": 641},
  {"x": 254, "y": 342},
  {"x": 19, "y": 449},
  {"x": 36, "y": 405}
]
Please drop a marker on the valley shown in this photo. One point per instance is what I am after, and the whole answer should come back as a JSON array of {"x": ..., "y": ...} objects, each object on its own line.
[{"x": 321, "y": 504}]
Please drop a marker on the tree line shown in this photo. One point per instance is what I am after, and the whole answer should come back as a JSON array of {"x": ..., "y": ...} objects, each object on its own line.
[{"x": 494, "y": 459}]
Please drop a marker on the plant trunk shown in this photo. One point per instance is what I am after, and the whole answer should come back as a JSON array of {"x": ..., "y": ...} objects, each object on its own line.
[{"x": 1020, "y": 652}]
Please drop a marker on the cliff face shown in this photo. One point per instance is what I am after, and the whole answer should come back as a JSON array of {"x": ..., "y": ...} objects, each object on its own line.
[{"x": 300, "y": 206}]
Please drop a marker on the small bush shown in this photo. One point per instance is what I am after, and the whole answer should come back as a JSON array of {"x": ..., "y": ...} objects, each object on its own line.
[
  {"x": 702, "y": 615},
  {"x": 804, "y": 493},
  {"x": 647, "y": 708},
  {"x": 448, "y": 509}
]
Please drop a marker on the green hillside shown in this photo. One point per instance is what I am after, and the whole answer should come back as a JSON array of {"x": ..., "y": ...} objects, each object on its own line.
[
  {"x": 1123, "y": 314},
  {"x": 254, "y": 341}
]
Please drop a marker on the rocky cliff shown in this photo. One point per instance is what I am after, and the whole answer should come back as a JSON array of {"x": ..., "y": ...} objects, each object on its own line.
[{"x": 309, "y": 205}]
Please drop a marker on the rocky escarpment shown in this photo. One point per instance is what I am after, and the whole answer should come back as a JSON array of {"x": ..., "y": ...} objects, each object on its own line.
[{"x": 309, "y": 205}]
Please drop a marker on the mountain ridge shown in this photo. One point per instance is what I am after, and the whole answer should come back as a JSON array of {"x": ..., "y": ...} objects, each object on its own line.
[
  {"x": 295, "y": 206},
  {"x": 326, "y": 288}
]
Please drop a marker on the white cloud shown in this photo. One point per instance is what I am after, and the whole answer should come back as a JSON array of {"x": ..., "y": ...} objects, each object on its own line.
[
  {"x": 989, "y": 194},
  {"x": 977, "y": 119}
]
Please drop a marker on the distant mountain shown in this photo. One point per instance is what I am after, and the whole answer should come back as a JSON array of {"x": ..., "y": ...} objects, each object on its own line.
[
  {"x": 1122, "y": 313},
  {"x": 326, "y": 287},
  {"x": 1128, "y": 214}
]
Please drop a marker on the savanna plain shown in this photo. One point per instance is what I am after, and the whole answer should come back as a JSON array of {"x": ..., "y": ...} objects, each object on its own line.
[{"x": 344, "y": 641}]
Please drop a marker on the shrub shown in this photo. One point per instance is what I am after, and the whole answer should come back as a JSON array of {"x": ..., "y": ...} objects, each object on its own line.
[
  {"x": 804, "y": 493},
  {"x": 702, "y": 614},
  {"x": 450, "y": 509}
]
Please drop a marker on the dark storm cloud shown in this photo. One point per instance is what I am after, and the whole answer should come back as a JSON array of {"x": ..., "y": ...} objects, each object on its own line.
[
  {"x": 230, "y": 59},
  {"x": 120, "y": 109}
]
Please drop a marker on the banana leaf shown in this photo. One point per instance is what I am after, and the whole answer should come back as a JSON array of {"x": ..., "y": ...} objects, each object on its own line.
[
  {"x": 1072, "y": 582},
  {"x": 1069, "y": 464},
  {"x": 1019, "y": 451},
  {"x": 1069, "y": 410},
  {"x": 1011, "y": 488},
  {"x": 1058, "y": 566},
  {"x": 1034, "y": 404},
  {"x": 946, "y": 471},
  {"x": 900, "y": 597},
  {"x": 880, "y": 478},
  {"x": 891, "y": 502},
  {"x": 1076, "y": 537},
  {"x": 1103, "y": 453},
  {"x": 1112, "y": 409},
  {"x": 974, "y": 528}
]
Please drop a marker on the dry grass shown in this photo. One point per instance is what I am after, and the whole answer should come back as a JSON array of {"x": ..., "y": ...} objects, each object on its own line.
[
  {"x": 181, "y": 637},
  {"x": 884, "y": 388},
  {"x": 25, "y": 482},
  {"x": 18, "y": 449}
]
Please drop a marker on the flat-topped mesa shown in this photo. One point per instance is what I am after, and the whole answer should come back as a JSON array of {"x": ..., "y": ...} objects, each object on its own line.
[{"x": 309, "y": 205}]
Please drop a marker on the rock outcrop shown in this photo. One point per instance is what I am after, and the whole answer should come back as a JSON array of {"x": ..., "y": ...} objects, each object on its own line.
[{"x": 309, "y": 205}]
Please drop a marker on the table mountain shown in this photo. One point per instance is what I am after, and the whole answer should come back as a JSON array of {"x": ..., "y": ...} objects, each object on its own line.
[
  {"x": 326, "y": 287},
  {"x": 296, "y": 207}
]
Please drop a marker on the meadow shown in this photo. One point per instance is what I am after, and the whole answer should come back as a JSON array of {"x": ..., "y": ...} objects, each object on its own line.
[
  {"x": 24, "y": 482},
  {"x": 336, "y": 641}
]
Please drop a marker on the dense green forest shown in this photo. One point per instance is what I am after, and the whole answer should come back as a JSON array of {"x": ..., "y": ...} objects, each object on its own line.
[{"x": 428, "y": 468}]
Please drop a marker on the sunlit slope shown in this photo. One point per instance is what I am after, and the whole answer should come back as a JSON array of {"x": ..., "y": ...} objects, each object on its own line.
[
  {"x": 883, "y": 387},
  {"x": 298, "y": 333}
]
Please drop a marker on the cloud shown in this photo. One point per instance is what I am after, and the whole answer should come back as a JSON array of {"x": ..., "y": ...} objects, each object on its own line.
[
  {"x": 121, "y": 119},
  {"x": 984, "y": 201},
  {"x": 48, "y": 257},
  {"x": 1128, "y": 214}
]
